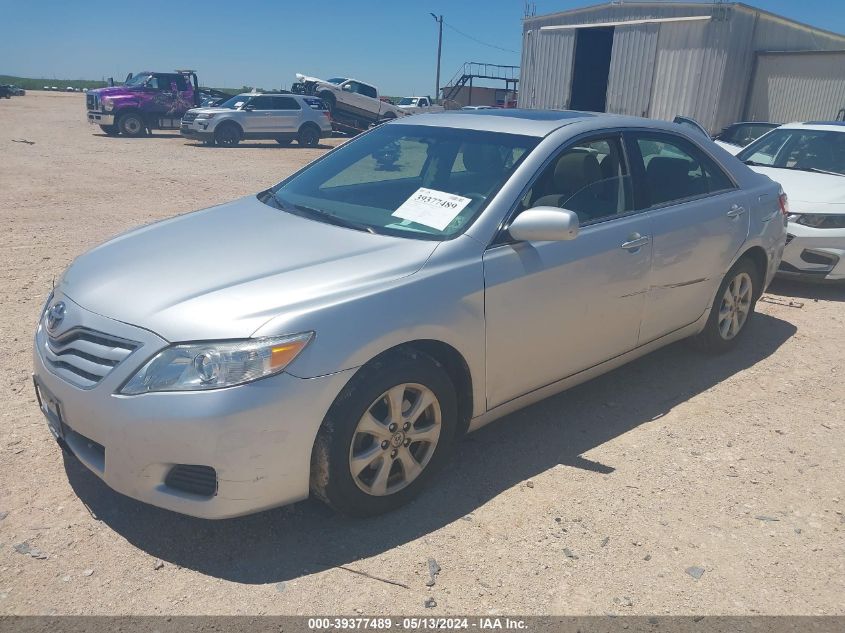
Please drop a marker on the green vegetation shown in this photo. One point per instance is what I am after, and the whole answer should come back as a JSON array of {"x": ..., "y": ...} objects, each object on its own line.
[{"x": 38, "y": 84}]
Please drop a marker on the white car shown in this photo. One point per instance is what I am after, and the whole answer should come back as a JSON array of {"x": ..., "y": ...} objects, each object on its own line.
[
  {"x": 808, "y": 160},
  {"x": 418, "y": 105},
  {"x": 738, "y": 135}
]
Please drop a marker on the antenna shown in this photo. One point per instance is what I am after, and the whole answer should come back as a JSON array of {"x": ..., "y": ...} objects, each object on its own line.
[{"x": 529, "y": 10}]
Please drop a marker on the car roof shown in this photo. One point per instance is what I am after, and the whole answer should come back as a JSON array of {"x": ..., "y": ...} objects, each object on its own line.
[
  {"x": 834, "y": 126},
  {"x": 529, "y": 122}
]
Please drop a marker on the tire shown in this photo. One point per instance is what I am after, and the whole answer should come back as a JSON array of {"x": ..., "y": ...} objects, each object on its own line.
[
  {"x": 227, "y": 135},
  {"x": 309, "y": 136},
  {"x": 284, "y": 142},
  {"x": 344, "y": 438},
  {"x": 732, "y": 308},
  {"x": 329, "y": 99},
  {"x": 110, "y": 130},
  {"x": 132, "y": 124}
]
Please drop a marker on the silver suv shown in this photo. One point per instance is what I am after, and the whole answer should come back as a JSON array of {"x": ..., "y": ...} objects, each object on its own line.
[{"x": 280, "y": 117}]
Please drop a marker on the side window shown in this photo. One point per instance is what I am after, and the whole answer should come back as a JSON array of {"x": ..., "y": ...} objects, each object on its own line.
[
  {"x": 590, "y": 178},
  {"x": 353, "y": 86},
  {"x": 676, "y": 170},
  {"x": 285, "y": 103},
  {"x": 368, "y": 91},
  {"x": 181, "y": 83},
  {"x": 261, "y": 103},
  {"x": 156, "y": 82}
]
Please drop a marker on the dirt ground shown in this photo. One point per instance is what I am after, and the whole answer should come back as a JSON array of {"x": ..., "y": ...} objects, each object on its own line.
[{"x": 600, "y": 500}]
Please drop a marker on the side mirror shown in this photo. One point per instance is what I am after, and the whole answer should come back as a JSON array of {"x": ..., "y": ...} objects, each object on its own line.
[
  {"x": 249, "y": 107},
  {"x": 347, "y": 88},
  {"x": 544, "y": 224}
]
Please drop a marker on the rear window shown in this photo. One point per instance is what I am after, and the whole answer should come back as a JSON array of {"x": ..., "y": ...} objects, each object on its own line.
[{"x": 315, "y": 103}]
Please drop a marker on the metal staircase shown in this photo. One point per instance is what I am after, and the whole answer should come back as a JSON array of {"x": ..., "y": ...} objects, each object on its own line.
[{"x": 478, "y": 70}]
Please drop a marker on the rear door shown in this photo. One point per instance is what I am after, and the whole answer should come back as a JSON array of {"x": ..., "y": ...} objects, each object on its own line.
[
  {"x": 699, "y": 219},
  {"x": 286, "y": 114}
]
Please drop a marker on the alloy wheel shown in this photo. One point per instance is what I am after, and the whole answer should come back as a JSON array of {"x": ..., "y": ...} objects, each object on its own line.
[
  {"x": 735, "y": 306},
  {"x": 395, "y": 439}
]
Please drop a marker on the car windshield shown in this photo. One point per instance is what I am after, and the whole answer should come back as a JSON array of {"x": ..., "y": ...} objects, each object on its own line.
[
  {"x": 138, "y": 80},
  {"x": 336, "y": 80},
  {"x": 412, "y": 181},
  {"x": 234, "y": 103},
  {"x": 820, "y": 151},
  {"x": 408, "y": 101}
]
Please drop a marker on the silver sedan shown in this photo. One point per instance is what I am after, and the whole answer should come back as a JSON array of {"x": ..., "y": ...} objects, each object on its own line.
[{"x": 335, "y": 334}]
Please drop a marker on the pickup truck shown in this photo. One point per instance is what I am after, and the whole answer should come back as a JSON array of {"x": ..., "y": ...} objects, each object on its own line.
[
  {"x": 145, "y": 101},
  {"x": 419, "y": 105},
  {"x": 354, "y": 105}
]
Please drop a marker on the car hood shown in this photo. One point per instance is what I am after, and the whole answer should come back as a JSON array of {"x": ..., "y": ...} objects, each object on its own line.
[
  {"x": 211, "y": 110},
  {"x": 111, "y": 91},
  {"x": 808, "y": 188},
  {"x": 729, "y": 147},
  {"x": 225, "y": 271}
]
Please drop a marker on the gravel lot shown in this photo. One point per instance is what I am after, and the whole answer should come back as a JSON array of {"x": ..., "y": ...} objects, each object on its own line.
[{"x": 604, "y": 499}]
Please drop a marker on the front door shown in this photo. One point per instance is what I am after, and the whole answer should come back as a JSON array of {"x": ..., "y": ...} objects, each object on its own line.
[
  {"x": 556, "y": 308},
  {"x": 258, "y": 115},
  {"x": 700, "y": 220}
]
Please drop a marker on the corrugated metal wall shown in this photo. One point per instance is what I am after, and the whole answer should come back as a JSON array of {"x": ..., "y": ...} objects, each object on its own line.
[
  {"x": 797, "y": 87},
  {"x": 699, "y": 69},
  {"x": 551, "y": 54},
  {"x": 632, "y": 69}
]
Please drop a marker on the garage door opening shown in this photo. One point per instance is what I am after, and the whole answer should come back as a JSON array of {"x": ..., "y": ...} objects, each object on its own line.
[{"x": 593, "y": 48}]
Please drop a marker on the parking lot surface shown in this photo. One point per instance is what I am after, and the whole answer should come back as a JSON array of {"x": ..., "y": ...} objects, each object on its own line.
[{"x": 679, "y": 484}]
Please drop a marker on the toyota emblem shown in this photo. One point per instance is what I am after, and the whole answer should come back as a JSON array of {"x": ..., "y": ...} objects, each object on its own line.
[{"x": 55, "y": 315}]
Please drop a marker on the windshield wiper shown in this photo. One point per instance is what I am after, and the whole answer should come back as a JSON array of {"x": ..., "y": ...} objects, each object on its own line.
[
  {"x": 315, "y": 214},
  {"x": 754, "y": 163},
  {"x": 816, "y": 170}
]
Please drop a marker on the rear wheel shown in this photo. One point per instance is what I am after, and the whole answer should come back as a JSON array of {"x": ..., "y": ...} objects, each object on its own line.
[
  {"x": 110, "y": 130},
  {"x": 385, "y": 435},
  {"x": 308, "y": 136},
  {"x": 227, "y": 135},
  {"x": 732, "y": 309},
  {"x": 132, "y": 124}
]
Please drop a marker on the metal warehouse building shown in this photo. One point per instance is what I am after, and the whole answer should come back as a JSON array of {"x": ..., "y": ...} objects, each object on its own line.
[{"x": 718, "y": 63}]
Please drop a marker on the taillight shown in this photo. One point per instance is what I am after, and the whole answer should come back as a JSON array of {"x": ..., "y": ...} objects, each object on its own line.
[{"x": 783, "y": 199}]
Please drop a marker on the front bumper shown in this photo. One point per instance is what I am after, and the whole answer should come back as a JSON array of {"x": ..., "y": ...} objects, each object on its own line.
[
  {"x": 257, "y": 437},
  {"x": 100, "y": 118},
  {"x": 189, "y": 131},
  {"x": 812, "y": 253}
]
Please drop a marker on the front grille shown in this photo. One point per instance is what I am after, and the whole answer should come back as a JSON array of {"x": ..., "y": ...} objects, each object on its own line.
[
  {"x": 789, "y": 238},
  {"x": 195, "y": 480},
  {"x": 91, "y": 102},
  {"x": 84, "y": 357},
  {"x": 189, "y": 116}
]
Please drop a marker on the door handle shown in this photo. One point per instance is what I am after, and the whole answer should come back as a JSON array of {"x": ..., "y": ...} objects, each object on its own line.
[
  {"x": 735, "y": 211},
  {"x": 635, "y": 241}
]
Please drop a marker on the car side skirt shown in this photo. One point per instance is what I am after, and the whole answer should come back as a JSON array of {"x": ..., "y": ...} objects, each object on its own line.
[{"x": 585, "y": 375}]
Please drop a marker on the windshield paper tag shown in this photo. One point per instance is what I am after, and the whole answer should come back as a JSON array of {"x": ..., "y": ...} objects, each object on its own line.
[{"x": 432, "y": 208}]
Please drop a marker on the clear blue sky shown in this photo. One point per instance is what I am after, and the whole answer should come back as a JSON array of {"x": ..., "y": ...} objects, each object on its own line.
[{"x": 391, "y": 43}]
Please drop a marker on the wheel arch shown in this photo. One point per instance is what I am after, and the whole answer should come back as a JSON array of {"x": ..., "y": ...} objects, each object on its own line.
[
  {"x": 230, "y": 122},
  {"x": 309, "y": 124},
  {"x": 757, "y": 255}
]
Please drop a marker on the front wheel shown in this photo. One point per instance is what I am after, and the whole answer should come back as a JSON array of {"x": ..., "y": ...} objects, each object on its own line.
[
  {"x": 227, "y": 135},
  {"x": 132, "y": 124},
  {"x": 386, "y": 434},
  {"x": 732, "y": 309}
]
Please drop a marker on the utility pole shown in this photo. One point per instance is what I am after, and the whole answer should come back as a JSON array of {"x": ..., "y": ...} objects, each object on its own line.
[{"x": 439, "y": 20}]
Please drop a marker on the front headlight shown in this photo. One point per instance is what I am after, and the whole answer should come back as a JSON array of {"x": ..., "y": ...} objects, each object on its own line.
[
  {"x": 818, "y": 220},
  {"x": 216, "y": 364},
  {"x": 205, "y": 116},
  {"x": 108, "y": 105}
]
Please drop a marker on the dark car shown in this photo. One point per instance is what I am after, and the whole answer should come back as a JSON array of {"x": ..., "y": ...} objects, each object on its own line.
[
  {"x": 5, "y": 91},
  {"x": 743, "y": 133}
]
